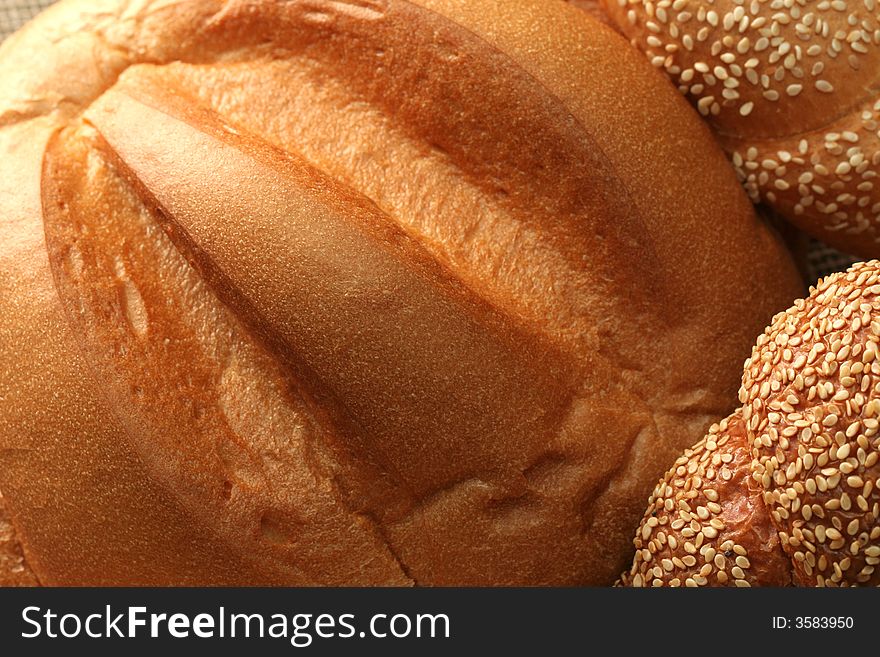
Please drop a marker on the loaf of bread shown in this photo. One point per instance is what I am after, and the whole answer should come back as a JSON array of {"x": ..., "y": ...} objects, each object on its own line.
[
  {"x": 785, "y": 490},
  {"x": 355, "y": 291},
  {"x": 791, "y": 89}
]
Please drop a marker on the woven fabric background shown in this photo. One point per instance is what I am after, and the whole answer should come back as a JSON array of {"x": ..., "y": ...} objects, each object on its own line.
[
  {"x": 15, "y": 13},
  {"x": 821, "y": 259}
]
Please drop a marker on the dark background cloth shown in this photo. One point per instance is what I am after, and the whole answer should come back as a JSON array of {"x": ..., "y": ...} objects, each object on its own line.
[{"x": 821, "y": 259}]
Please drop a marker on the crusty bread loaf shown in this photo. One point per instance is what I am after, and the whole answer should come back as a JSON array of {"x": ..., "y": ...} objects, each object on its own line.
[
  {"x": 361, "y": 292},
  {"x": 791, "y": 89},
  {"x": 785, "y": 490}
]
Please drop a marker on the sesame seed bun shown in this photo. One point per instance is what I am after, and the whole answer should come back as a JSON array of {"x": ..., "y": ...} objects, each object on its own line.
[
  {"x": 811, "y": 398},
  {"x": 356, "y": 292},
  {"x": 791, "y": 90},
  {"x": 786, "y": 488},
  {"x": 706, "y": 523}
]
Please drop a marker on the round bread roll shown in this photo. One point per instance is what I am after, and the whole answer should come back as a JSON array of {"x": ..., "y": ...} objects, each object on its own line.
[
  {"x": 355, "y": 292},
  {"x": 791, "y": 89},
  {"x": 786, "y": 489}
]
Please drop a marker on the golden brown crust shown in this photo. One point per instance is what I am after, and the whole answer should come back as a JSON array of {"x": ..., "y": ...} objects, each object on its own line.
[
  {"x": 706, "y": 523},
  {"x": 329, "y": 300},
  {"x": 792, "y": 91}
]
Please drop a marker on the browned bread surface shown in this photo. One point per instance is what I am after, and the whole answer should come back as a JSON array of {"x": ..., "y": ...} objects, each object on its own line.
[
  {"x": 791, "y": 89},
  {"x": 374, "y": 292}
]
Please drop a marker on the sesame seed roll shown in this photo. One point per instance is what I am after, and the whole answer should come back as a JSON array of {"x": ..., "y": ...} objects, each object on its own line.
[
  {"x": 795, "y": 471},
  {"x": 706, "y": 523},
  {"x": 791, "y": 88}
]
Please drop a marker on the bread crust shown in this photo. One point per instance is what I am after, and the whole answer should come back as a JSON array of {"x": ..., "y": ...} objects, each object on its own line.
[{"x": 519, "y": 262}]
